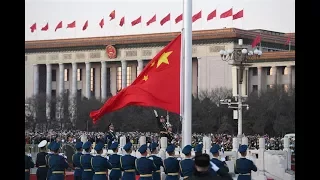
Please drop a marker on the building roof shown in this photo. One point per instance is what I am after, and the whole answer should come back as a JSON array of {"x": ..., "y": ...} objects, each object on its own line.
[{"x": 154, "y": 38}]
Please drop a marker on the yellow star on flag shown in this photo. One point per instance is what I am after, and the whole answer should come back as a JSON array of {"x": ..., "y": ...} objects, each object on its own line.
[
  {"x": 164, "y": 58},
  {"x": 145, "y": 78},
  {"x": 152, "y": 64}
]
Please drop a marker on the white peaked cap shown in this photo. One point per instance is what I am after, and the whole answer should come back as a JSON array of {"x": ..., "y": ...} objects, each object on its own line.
[{"x": 42, "y": 143}]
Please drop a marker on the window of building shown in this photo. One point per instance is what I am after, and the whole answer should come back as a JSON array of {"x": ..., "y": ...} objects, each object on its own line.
[
  {"x": 92, "y": 79},
  {"x": 79, "y": 74},
  {"x": 254, "y": 71},
  {"x": 79, "y": 93},
  {"x": 268, "y": 69},
  {"x": 129, "y": 75},
  {"x": 53, "y": 93},
  {"x": 53, "y": 75},
  {"x": 119, "y": 79},
  {"x": 254, "y": 87},
  {"x": 66, "y": 74}
]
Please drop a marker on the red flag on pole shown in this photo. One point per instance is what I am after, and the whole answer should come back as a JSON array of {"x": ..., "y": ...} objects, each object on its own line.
[
  {"x": 137, "y": 21},
  {"x": 45, "y": 28},
  {"x": 85, "y": 26},
  {"x": 146, "y": 89},
  {"x": 165, "y": 19},
  {"x": 238, "y": 15},
  {"x": 59, "y": 26},
  {"x": 112, "y": 15},
  {"x": 121, "y": 21},
  {"x": 72, "y": 25},
  {"x": 212, "y": 15},
  {"x": 256, "y": 41},
  {"x": 153, "y": 19},
  {"x": 226, "y": 14},
  {"x": 196, "y": 17},
  {"x": 287, "y": 41},
  {"x": 33, "y": 27},
  {"x": 179, "y": 18},
  {"x": 101, "y": 23}
]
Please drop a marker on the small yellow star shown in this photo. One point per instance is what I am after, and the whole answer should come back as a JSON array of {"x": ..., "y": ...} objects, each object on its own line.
[
  {"x": 145, "y": 78},
  {"x": 152, "y": 64},
  {"x": 164, "y": 58}
]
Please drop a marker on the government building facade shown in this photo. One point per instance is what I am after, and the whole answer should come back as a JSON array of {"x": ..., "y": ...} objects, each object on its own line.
[{"x": 101, "y": 66}]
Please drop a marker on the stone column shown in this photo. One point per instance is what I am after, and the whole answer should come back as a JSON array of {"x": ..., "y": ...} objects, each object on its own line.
[
  {"x": 140, "y": 67},
  {"x": 142, "y": 140},
  {"x": 259, "y": 80},
  {"x": 88, "y": 80},
  {"x": 73, "y": 95},
  {"x": 274, "y": 74},
  {"x": 103, "y": 80},
  {"x": 35, "y": 79},
  {"x": 122, "y": 143},
  {"x": 289, "y": 69},
  {"x": 48, "y": 90},
  {"x": 235, "y": 146},
  {"x": 163, "y": 146},
  {"x": 206, "y": 141},
  {"x": 286, "y": 147},
  {"x": 123, "y": 74},
  {"x": 61, "y": 78}
]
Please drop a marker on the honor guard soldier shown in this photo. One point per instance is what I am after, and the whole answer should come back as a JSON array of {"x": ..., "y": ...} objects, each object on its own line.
[
  {"x": 85, "y": 161},
  {"x": 114, "y": 159},
  {"x": 110, "y": 136},
  {"x": 28, "y": 164},
  {"x": 198, "y": 149},
  {"x": 58, "y": 164},
  {"x": 244, "y": 166},
  {"x": 215, "y": 153},
  {"x": 186, "y": 165},
  {"x": 100, "y": 165},
  {"x": 171, "y": 164},
  {"x": 76, "y": 162},
  {"x": 170, "y": 134},
  {"x": 156, "y": 175},
  {"x": 161, "y": 124},
  {"x": 50, "y": 153},
  {"x": 127, "y": 163},
  {"x": 41, "y": 163},
  {"x": 144, "y": 165}
]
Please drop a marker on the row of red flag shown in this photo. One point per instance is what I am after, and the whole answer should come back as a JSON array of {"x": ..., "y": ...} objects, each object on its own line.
[{"x": 164, "y": 20}]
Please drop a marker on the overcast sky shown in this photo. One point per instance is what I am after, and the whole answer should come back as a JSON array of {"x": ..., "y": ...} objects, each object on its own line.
[{"x": 275, "y": 15}]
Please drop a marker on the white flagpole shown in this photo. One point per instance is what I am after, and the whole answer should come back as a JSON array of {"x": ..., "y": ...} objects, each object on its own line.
[
  {"x": 289, "y": 44},
  {"x": 181, "y": 79},
  {"x": 187, "y": 113}
]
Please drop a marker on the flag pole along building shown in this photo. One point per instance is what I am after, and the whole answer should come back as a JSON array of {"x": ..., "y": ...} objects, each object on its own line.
[{"x": 101, "y": 66}]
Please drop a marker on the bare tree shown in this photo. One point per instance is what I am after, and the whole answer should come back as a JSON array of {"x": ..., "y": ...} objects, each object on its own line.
[{"x": 35, "y": 111}]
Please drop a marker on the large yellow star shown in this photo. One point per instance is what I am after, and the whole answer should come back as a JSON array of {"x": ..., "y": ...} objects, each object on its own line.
[
  {"x": 145, "y": 78},
  {"x": 164, "y": 58}
]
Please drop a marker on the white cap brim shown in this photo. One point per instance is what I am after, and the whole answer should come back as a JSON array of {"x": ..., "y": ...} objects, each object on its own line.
[{"x": 42, "y": 143}]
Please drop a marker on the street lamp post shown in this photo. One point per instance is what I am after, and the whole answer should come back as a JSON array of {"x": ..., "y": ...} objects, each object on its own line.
[{"x": 238, "y": 57}]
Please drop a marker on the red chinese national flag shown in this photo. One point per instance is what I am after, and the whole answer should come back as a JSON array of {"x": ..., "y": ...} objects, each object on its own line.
[
  {"x": 238, "y": 15},
  {"x": 226, "y": 14},
  {"x": 101, "y": 23},
  {"x": 287, "y": 41},
  {"x": 45, "y": 28},
  {"x": 121, "y": 21},
  {"x": 58, "y": 26},
  {"x": 85, "y": 26},
  {"x": 196, "y": 16},
  {"x": 158, "y": 85},
  {"x": 153, "y": 19},
  {"x": 72, "y": 25},
  {"x": 33, "y": 27},
  {"x": 256, "y": 41},
  {"x": 112, "y": 15},
  {"x": 165, "y": 19},
  {"x": 179, "y": 18},
  {"x": 137, "y": 21},
  {"x": 212, "y": 15}
]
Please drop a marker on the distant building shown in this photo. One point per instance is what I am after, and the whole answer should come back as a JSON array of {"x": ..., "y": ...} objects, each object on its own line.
[{"x": 101, "y": 66}]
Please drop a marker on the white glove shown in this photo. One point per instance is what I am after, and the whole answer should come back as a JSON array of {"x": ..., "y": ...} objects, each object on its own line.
[
  {"x": 223, "y": 159},
  {"x": 29, "y": 155},
  {"x": 179, "y": 159},
  {"x": 155, "y": 113},
  {"x": 214, "y": 166}
]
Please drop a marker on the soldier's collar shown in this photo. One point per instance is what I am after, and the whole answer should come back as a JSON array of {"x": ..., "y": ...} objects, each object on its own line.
[{"x": 215, "y": 157}]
